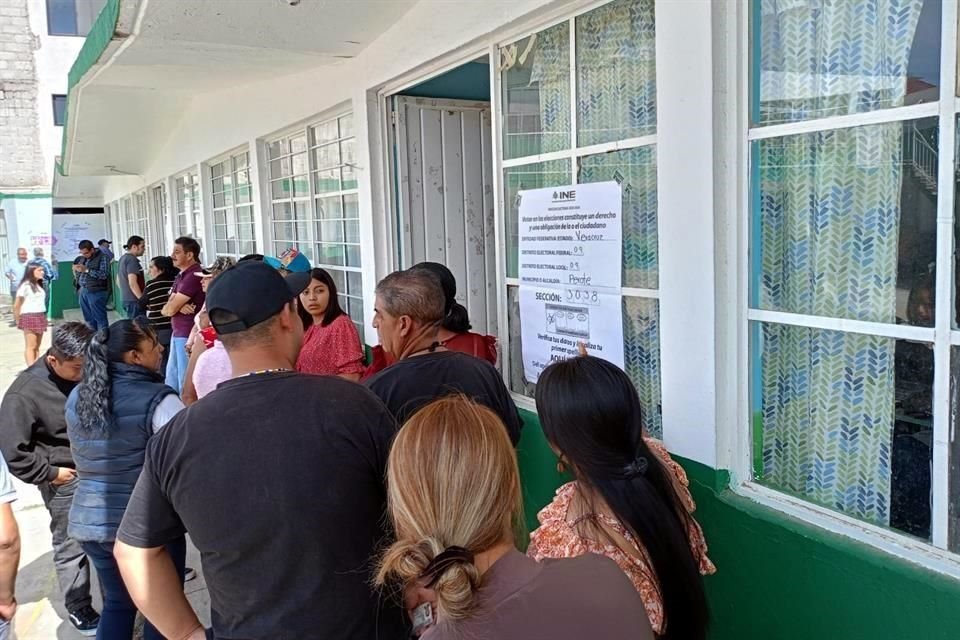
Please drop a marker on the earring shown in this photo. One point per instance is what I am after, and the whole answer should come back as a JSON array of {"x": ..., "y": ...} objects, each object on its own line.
[{"x": 561, "y": 466}]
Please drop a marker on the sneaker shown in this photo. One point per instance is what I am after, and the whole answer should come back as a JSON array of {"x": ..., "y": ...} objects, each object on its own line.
[
  {"x": 86, "y": 620},
  {"x": 189, "y": 574}
]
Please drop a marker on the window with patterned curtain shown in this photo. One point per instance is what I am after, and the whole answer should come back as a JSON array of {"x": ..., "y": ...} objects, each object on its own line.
[
  {"x": 843, "y": 251},
  {"x": 611, "y": 95}
]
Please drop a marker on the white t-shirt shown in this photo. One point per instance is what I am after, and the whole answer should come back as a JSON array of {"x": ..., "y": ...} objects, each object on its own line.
[
  {"x": 166, "y": 411},
  {"x": 33, "y": 301}
]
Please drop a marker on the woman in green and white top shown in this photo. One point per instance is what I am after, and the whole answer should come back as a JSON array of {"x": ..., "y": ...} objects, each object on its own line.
[{"x": 30, "y": 310}]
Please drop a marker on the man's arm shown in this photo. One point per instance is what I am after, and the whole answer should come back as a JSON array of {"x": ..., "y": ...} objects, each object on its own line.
[
  {"x": 9, "y": 560},
  {"x": 189, "y": 395},
  {"x": 17, "y": 415},
  {"x": 155, "y": 588},
  {"x": 134, "y": 283},
  {"x": 174, "y": 304}
]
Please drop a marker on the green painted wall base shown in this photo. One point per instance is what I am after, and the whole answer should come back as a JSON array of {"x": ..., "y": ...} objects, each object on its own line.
[
  {"x": 779, "y": 578},
  {"x": 64, "y": 297}
]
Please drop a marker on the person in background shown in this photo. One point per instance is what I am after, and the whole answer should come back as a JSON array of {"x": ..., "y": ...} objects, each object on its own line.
[
  {"x": 629, "y": 501},
  {"x": 30, "y": 311},
  {"x": 454, "y": 333},
  {"x": 331, "y": 346},
  {"x": 49, "y": 272},
  {"x": 212, "y": 472},
  {"x": 410, "y": 307},
  {"x": 130, "y": 277},
  {"x": 93, "y": 276},
  {"x": 9, "y": 552},
  {"x": 34, "y": 442},
  {"x": 111, "y": 416},
  {"x": 107, "y": 248},
  {"x": 15, "y": 270},
  {"x": 155, "y": 295},
  {"x": 456, "y": 541},
  {"x": 209, "y": 364},
  {"x": 186, "y": 298}
]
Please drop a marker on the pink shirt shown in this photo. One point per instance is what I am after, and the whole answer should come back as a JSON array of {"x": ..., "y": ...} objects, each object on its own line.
[
  {"x": 331, "y": 350},
  {"x": 212, "y": 368}
]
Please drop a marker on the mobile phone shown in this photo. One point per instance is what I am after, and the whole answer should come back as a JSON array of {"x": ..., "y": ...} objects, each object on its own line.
[{"x": 422, "y": 618}]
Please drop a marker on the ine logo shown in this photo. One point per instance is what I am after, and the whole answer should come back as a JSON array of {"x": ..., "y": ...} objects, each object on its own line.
[{"x": 564, "y": 196}]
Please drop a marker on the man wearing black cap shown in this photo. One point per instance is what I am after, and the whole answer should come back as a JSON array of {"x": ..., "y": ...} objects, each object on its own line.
[{"x": 283, "y": 556}]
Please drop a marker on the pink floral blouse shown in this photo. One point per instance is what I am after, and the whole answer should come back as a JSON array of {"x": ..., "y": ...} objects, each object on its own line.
[{"x": 557, "y": 537}]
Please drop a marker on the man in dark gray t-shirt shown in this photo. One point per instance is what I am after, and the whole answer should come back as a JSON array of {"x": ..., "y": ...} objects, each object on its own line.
[{"x": 130, "y": 276}]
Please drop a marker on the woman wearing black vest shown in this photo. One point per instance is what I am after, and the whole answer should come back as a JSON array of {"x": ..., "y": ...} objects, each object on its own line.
[{"x": 111, "y": 416}]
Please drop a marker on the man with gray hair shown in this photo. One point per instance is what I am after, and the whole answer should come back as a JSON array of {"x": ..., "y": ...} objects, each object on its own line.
[{"x": 409, "y": 308}]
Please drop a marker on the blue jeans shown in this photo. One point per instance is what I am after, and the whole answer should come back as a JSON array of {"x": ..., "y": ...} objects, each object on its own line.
[
  {"x": 93, "y": 304},
  {"x": 119, "y": 612},
  {"x": 132, "y": 310},
  {"x": 177, "y": 363}
]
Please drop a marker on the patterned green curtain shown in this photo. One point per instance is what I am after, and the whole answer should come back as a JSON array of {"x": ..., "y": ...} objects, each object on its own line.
[{"x": 829, "y": 209}]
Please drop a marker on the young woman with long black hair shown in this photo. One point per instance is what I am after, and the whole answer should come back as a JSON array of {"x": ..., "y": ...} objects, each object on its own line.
[
  {"x": 155, "y": 295},
  {"x": 331, "y": 343},
  {"x": 111, "y": 416},
  {"x": 629, "y": 501},
  {"x": 30, "y": 310}
]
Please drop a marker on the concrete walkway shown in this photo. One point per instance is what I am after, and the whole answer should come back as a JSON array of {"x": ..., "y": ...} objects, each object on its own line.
[{"x": 41, "y": 615}]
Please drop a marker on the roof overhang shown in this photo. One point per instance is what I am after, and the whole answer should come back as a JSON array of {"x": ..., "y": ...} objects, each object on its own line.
[{"x": 146, "y": 60}]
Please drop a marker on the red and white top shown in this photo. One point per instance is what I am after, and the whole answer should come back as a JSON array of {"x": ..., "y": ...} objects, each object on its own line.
[
  {"x": 558, "y": 537},
  {"x": 332, "y": 350}
]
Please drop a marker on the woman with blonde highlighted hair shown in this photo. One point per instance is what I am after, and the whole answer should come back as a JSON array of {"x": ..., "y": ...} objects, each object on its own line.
[{"x": 454, "y": 497}]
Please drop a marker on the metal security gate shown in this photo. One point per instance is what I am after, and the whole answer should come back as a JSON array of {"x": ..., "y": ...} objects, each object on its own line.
[{"x": 445, "y": 196}]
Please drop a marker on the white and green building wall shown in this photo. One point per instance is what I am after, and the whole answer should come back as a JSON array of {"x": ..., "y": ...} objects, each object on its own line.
[{"x": 788, "y": 171}]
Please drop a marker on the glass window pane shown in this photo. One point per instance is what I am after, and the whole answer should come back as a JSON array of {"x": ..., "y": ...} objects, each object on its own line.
[
  {"x": 298, "y": 143},
  {"x": 845, "y": 420},
  {"x": 299, "y": 163},
  {"x": 636, "y": 171},
  {"x": 326, "y": 181},
  {"x": 245, "y": 214},
  {"x": 284, "y": 232},
  {"x": 59, "y": 110},
  {"x": 348, "y": 152},
  {"x": 351, "y": 206},
  {"x": 954, "y": 456},
  {"x": 280, "y": 189},
  {"x": 327, "y": 156},
  {"x": 346, "y": 126},
  {"x": 325, "y": 132},
  {"x": 301, "y": 186},
  {"x": 240, "y": 161},
  {"x": 535, "y": 73},
  {"x": 356, "y": 309},
  {"x": 330, "y": 254},
  {"x": 282, "y": 211},
  {"x": 844, "y": 223},
  {"x": 814, "y": 60},
  {"x": 247, "y": 246},
  {"x": 301, "y": 211},
  {"x": 330, "y": 231},
  {"x": 338, "y": 279},
  {"x": 616, "y": 72},
  {"x": 276, "y": 149},
  {"x": 62, "y": 17},
  {"x": 218, "y": 200},
  {"x": 349, "y": 177},
  {"x": 554, "y": 173},
  {"x": 354, "y": 283},
  {"x": 353, "y": 255},
  {"x": 329, "y": 208},
  {"x": 352, "y": 231}
]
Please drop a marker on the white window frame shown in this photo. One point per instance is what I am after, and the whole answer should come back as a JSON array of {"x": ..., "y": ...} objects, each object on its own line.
[
  {"x": 196, "y": 213},
  {"x": 311, "y": 198},
  {"x": 933, "y": 555},
  {"x": 206, "y": 177},
  {"x": 572, "y": 155}
]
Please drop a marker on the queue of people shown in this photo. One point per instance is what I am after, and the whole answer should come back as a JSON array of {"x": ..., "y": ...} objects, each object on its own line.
[{"x": 330, "y": 501}]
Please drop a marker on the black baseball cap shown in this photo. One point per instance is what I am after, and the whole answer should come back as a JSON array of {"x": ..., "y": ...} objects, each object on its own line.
[
  {"x": 253, "y": 292},
  {"x": 103, "y": 241}
]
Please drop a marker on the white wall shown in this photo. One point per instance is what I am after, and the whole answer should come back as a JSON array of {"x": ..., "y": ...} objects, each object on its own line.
[{"x": 54, "y": 57}]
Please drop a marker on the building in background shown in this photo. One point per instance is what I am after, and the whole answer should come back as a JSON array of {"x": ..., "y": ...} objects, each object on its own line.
[{"x": 788, "y": 282}]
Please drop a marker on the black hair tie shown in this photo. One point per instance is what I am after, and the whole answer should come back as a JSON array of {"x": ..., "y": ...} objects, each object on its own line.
[
  {"x": 636, "y": 468},
  {"x": 443, "y": 561}
]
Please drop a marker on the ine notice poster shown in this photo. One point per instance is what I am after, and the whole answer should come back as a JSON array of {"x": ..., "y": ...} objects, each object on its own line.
[
  {"x": 570, "y": 274},
  {"x": 70, "y": 229}
]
